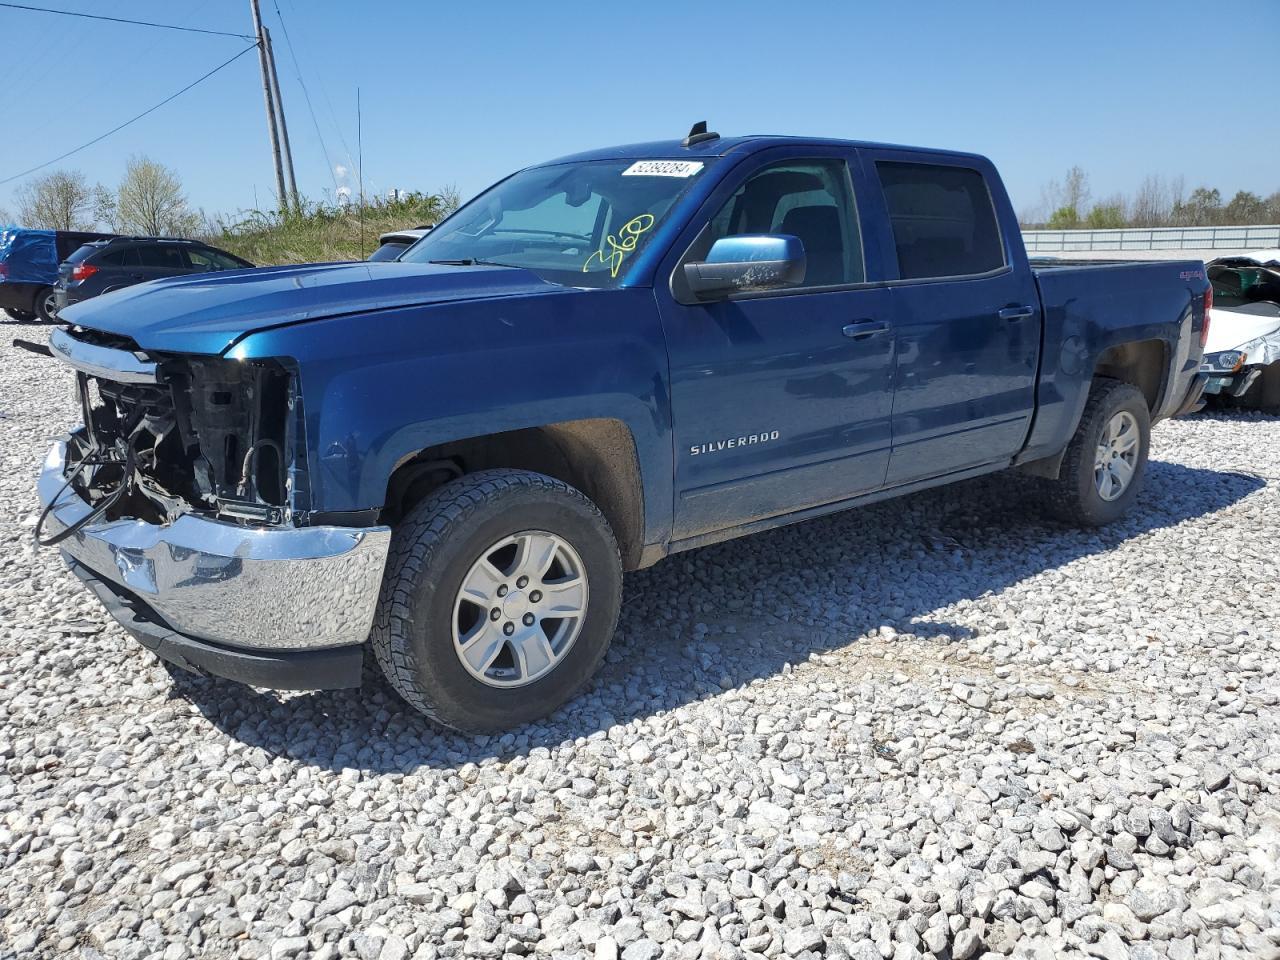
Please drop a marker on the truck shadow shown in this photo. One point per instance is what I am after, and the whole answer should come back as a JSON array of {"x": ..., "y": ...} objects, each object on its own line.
[{"x": 718, "y": 618}]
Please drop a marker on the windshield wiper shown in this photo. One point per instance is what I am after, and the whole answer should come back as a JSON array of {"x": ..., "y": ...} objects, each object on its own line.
[{"x": 470, "y": 262}]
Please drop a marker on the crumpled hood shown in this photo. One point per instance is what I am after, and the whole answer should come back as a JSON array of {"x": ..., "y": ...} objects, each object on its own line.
[
  {"x": 207, "y": 313},
  {"x": 1232, "y": 329}
]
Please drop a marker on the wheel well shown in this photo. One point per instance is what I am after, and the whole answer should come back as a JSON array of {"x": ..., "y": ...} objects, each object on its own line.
[
  {"x": 597, "y": 456},
  {"x": 1142, "y": 363}
]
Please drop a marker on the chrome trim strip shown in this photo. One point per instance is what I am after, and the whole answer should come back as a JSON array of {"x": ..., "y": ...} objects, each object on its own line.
[
  {"x": 291, "y": 588},
  {"x": 118, "y": 365}
]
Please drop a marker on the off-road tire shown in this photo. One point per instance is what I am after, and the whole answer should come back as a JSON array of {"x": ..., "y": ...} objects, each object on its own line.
[
  {"x": 40, "y": 302},
  {"x": 432, "y": 549},
  {"x": 1074, "y": 496}
]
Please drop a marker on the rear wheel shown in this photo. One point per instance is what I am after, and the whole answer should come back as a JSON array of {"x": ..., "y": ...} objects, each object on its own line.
[
  {"x": 46, "y": 305},
  {"x": 1105, "y": 464},
  {"x": 500, "y": 599}
]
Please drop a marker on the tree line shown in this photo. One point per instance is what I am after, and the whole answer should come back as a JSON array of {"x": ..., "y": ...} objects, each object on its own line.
[
  {"x": 148, "y": 200},
  {"x": 1068, "y": 204}
]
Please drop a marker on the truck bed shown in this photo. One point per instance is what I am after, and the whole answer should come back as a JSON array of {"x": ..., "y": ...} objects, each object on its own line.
[{"x": 1091, "y": 306}]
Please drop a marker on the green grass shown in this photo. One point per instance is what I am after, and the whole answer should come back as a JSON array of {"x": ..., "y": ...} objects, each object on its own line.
[{"x": 323, "y": 232}]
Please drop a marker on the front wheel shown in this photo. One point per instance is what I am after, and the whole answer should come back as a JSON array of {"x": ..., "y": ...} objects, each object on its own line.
[
  {"x": 500, "y": 599},
  {"x": 46, "y": 305},
  {"x": 1105, "y": 464}
]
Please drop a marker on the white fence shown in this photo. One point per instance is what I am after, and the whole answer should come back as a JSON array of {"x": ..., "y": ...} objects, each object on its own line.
[{"x": 1154, "y": 238}]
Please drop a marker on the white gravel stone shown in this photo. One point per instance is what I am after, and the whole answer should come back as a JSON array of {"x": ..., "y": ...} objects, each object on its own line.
[{"x": 938, "y": 726}]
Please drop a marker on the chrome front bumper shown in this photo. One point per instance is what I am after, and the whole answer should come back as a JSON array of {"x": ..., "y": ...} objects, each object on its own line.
[{"x": 287, "y": 589}]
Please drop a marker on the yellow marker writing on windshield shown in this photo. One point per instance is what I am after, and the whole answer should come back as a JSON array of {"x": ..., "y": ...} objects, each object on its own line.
[{"x": 620, "y": 245}]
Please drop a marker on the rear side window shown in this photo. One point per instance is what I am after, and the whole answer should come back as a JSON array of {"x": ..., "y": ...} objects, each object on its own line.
[
  {"x": 120, "y": 258},
  {"x": 168, "y": 258},
  {"x": 943, "y": 220}
]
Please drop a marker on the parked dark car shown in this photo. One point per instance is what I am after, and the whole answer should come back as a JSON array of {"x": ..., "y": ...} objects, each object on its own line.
[
  {"x": 396, "y": 242},
  {"x": 29, "y": 268},
  {"x": 106, "y": 265}
]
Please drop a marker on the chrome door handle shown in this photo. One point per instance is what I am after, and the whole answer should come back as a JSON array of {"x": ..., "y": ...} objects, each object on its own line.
[
  {"x": 1016, "y": 313},
  {"x": 864, "y": 329}
]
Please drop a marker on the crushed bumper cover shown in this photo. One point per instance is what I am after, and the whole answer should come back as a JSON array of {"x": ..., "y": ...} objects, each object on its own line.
[
  {"x": 1231, "y": 383},
  {"x": 288, "y": 607}
]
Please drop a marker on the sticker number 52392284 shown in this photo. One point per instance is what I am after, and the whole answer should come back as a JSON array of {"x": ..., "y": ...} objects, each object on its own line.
[{"x": 663, "y": 168}]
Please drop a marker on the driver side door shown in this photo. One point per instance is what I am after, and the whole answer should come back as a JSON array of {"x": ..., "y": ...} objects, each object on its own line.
[{"x": 782, "y": 399}]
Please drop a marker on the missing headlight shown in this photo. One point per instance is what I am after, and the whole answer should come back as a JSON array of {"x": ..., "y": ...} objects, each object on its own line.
[{"x": 212, "y": 435}]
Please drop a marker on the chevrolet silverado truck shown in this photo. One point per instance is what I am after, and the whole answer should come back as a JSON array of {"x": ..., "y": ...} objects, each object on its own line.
[{"x": 447, "y": 462}]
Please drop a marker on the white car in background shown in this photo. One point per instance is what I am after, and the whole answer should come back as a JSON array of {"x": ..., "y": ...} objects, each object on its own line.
[
  {"x": 391, "y": 245},
  {"x": 1242, "y": 352}
]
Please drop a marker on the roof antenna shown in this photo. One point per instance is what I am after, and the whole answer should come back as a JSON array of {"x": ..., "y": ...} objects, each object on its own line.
[{"x": 698, "y": 134}]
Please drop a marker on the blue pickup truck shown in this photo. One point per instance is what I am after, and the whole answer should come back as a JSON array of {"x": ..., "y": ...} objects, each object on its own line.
[{"x": 447, "y": 461}]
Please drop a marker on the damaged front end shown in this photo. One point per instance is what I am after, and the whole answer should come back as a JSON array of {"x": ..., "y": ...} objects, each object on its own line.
[
  {"x": 183, "y": 503},
  {"x": 185, "y": 435},
  {"x": 1242, "y": 350}
]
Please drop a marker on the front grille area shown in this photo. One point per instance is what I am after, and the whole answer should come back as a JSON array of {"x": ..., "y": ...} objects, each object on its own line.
[
  {"x": 101, "y": 338},
  {"x": 208, "y": 436}
]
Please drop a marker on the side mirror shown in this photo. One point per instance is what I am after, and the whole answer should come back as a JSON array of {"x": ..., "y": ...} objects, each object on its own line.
[{"x": 747, "y": 263}]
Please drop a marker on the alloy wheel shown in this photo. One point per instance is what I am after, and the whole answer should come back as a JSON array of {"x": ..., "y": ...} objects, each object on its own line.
[
  {"x": 1116, "y": 458},
  {"x": 520, "y": 608}
]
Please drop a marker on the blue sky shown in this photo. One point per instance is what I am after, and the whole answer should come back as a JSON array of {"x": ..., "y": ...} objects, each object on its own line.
[{"x": 464, "y": 93}]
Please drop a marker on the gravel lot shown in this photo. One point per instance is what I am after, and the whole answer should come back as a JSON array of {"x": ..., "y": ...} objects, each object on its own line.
[{"x": 935, "y": 727}]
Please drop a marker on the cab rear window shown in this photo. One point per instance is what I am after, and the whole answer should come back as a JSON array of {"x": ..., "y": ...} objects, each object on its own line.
[{"x": 944, "y": 223}]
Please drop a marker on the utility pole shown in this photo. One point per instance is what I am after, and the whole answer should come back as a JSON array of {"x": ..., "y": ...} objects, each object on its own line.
[
  {"x": 360, "y": 165},
  {"x": 259, "y": 32},
  {"x": 284, "y": 127}
]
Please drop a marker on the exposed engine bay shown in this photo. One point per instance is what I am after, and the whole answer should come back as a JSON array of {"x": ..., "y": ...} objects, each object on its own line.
[{"x": 207, "y": 435}]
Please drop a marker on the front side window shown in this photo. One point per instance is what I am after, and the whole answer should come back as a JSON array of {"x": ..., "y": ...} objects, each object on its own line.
[
  {"x": 811, "y": 200},
  {"x": 578, "y": 224},
  {"x": 943, "y": 220}
]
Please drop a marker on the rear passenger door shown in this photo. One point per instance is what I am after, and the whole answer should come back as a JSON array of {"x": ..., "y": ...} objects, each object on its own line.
[
  {"x": 119, "y": 268},
  {"x": 966, "y": 315}
]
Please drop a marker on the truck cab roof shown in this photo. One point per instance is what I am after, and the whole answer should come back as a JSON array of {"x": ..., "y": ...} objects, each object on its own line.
[{"x": 724, "y": 146}]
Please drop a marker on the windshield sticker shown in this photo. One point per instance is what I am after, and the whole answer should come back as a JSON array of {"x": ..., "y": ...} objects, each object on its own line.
[
  {"x": 663, "y": 168},
  {"x": 620, "y": 245}
]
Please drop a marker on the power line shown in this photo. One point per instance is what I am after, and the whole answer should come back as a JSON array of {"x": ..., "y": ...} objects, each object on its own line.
[
  {"x": 333, "y": 117},
  {"x": 83, "y": 146},
  {"x": 136, "y": 23},
  {"x": 306, "y": 95}
]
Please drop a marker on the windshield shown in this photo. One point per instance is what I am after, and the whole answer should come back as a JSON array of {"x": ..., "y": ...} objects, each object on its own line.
[{"x": 579, "y": 224}]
